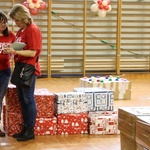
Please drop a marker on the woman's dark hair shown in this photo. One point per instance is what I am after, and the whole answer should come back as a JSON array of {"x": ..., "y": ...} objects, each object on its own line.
[{"x": 3, "y": 18}]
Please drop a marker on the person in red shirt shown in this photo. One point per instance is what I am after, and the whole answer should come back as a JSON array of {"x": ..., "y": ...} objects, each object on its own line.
[
  {"x": 6, "y": 38},
  {"x": 30, "y": 34}
]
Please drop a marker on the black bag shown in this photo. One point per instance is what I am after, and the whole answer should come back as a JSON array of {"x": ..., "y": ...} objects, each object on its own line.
[{"x": 23, "y": 74}]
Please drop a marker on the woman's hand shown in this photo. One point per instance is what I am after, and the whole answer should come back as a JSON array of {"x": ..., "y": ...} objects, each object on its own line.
[{"x": 9, "y": 51}]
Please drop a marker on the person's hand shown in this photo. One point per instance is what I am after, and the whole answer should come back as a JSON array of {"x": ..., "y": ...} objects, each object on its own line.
[{"x": 9, "y": 51}]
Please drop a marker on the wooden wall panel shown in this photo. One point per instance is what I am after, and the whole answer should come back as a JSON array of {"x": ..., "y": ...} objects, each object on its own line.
[{"x": 76, "y": 42}]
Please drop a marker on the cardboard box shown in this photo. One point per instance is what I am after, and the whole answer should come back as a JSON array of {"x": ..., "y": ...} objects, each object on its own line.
[
  {"x": 120, "y": 86},
  {"x": 127, "y": 117},
  {"x": 143, "y": 131},
  {"x": 127, "y": 143},
  {"x": 140, "y": 147}
]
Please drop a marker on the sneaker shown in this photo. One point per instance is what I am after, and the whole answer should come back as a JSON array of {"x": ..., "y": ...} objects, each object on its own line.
[{"x": 2, "y": 134}]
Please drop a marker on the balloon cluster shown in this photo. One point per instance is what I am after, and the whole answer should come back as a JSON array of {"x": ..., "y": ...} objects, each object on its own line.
[
  {"x": 102, "y": 7},
  {"x": 34, "y": 6}
]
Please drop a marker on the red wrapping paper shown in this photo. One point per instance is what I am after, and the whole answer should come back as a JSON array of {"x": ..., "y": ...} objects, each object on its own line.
[
  {"x": 72, "y": 123},
  {"x": 46, "y": 126}
]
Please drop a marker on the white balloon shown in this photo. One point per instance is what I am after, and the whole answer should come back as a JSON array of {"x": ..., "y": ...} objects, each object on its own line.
[
  {"x": 94, "y": 8},
  {"x": 104, "y": 3},
  {"x": 37, "y": 5},
  {"x": 110, "y": 8},
  {"x": 102, "y": 13},
  {"x": 95, "y": 1},
  {"x": 29, "y": 1},
  {"x": 31, "y": 5}
]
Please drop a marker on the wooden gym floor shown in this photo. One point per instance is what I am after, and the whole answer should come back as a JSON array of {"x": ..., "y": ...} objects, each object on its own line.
[{"x": 140, "y": 96}]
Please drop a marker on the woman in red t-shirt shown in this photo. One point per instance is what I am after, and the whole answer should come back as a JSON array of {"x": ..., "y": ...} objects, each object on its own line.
[
  {"x": 6, "y": 38},
  {"x": 30, "y": 34}
]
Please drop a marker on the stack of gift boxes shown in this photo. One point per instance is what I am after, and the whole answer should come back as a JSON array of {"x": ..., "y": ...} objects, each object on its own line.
[
  {"x": 84, "y": 110},
  {"x": 46, "y": 122},
  {"x": 103, "y": 119},
  {"x": 12, "y": 118},
  {"x": 71, "y": 112}
]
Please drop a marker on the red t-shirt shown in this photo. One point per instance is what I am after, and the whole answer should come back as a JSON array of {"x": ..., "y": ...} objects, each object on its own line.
[
  {"x": 5, "y": 41},
  {"x": 33, "y": 39}
]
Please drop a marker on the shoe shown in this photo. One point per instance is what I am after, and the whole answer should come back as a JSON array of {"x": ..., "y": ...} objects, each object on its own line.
[
  {"x": 20, "y": 134},
  {"x": 2, "y": 134},
  {"x": 28, "y": 135}
]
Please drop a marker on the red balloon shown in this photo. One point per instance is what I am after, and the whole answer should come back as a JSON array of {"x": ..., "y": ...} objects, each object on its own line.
[
  {"x": 26, "y": 4},
  {"x": 108, "y": 2},
  {"x": 101, "y": 7},
  {"x": 99, "y": 2},
  {"x": 42, "y": 5},
  {"x": 106, "y": 7},
  {"x": 34, "y": 1},
  {"x": 34, "y": 11}
]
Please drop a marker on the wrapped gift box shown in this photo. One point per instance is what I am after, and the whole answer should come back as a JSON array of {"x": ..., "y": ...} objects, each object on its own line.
[
  {"x": 72, "y": 123},
  {"x": 127, "y": 117},
  {"x": 13, "y": 123},
  {"x": 12, "y": 102},
  {"x": 46, "y": 126},
  {"x": 103, "y": 113},
  {"x": 45, "y": 103},
  {"x": 143, "y": 131},
  {"x": 120, "y": 86},
  {"x": 43, "y": 126},
  {"x": 12, "y": 112},
  {"x": 4, "y": 116},
  {"x": 103, "y": 122},
  {"x": 98, "y": 98},
  {"x": 70, "y": 102}
]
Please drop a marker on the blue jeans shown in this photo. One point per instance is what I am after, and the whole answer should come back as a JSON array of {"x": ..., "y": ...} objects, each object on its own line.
[
  {"x": 28, "y": 104},
  {"x": 4, "y": 80}
]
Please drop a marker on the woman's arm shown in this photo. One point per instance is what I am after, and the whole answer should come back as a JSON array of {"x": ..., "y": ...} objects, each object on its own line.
[{"x": 25, "y": 53}]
